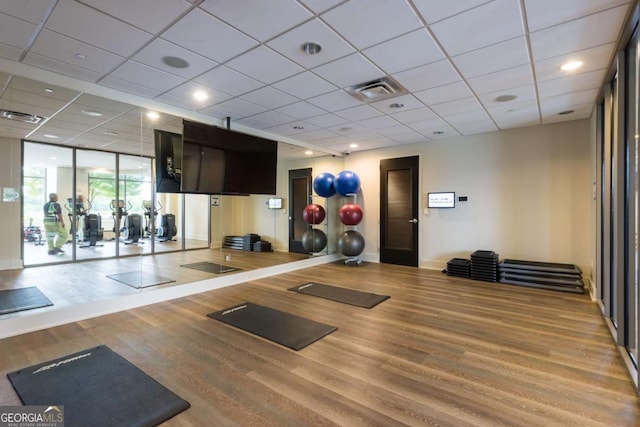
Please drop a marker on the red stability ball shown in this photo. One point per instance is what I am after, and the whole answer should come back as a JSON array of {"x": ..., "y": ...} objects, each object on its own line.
[
  {"x": 313, "y": 214},
  {"x": 350, "y": 214}
]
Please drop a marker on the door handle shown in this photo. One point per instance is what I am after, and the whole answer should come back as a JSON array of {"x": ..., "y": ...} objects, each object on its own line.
[{"x": 414, "y": 220}]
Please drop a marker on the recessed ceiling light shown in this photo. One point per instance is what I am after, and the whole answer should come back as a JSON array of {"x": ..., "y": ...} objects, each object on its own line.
[
  {"x": 438, "y": 132},
  {"x": 505, "y": 98},
  {"x": 564, "y": 113},
  {"x": 92, "y": 113},
  {"x": 80, "y": 56},
  {"x": 298, "y": 127},
  {"x": 153, "y": 115},
  {"x": 308, "y": 152},
  {"x": 571, "y": 65},
  {"x": 311, "y": 48},
  {"x": 396, "y": 105},
  {"x": 200, "y": 95},
  {"x": 110, "y": 133},
  {"x": 48, "y": 90},
  {"x": 48, "y": 135},
  {"x": 174, "y": 62},
  {"x": 354, "y": 145}
]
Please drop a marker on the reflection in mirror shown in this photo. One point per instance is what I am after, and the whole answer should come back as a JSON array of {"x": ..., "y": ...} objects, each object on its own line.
[{"x": 97, "y": 155}]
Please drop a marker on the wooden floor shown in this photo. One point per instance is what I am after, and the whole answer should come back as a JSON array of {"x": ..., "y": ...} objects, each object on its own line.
[{"x": 440, "y": 351}]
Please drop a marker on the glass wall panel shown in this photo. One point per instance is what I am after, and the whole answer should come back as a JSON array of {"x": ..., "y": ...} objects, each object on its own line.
[
  {"x": 134, "y": 193},
  {"x": 196, "y": 223},
  {"x": 47, "y": 176}
]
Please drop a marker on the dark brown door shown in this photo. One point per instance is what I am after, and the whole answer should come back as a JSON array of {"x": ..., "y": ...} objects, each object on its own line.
[
  {"x": 399, "y": 211},
  {"x": 300, "y": 186}
]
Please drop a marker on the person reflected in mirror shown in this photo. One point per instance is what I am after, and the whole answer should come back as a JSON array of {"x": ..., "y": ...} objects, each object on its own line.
[{"x": 54, "y": 225}]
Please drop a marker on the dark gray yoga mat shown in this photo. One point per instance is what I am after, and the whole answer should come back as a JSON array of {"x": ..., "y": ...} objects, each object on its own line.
[
  {"x": 137, "y": 279},
  {"x": 13, "y": 300},
  {"x": 210, "y": 267},
  {"x": 97, "y": 387},
  {"x": 343, "y": 295},
  {"x": 278, "y": 326}
]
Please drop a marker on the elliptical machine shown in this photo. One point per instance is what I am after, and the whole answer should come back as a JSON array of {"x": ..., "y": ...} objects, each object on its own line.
[
  {"x": 92, "y": 230},
  {"x": 33, "y": 233},
  {"x": 150, "y": 215},
  {"x": 167, "y": 230}
]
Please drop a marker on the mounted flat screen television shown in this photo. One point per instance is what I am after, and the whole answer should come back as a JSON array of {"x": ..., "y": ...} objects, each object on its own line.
[
  {"x": 215, "y": 160},
  {"x": 441, "y": 200}
]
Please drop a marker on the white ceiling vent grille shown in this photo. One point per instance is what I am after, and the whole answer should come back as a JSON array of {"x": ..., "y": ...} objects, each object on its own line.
[
  {"x": 21, "y": 117},
  {"x": 377, "y": 90}
]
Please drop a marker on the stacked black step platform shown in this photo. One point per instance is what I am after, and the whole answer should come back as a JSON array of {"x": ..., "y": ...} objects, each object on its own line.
[
  {"x": 459, "y": 267},
  {"x": 248, "y": 240},
  {"x": 484, "y": 266},
  {"x": 233, "y": 242},
  {"x": 262, "y": 246},
  {"x": 545, "y": 275}
]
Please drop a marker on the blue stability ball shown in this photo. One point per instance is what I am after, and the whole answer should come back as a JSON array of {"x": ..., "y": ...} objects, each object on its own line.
[
  {"x": 323, "y": 185},
  {"x": 351, "y": 243},
  {"x": 346, "y": 183},
  {"x": 314, "y": 240}
]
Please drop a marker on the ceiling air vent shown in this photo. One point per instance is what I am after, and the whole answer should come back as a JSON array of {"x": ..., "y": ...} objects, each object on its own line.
[
  {"x": 377, "y": 90},
  {"x": 21, "y": 117}
]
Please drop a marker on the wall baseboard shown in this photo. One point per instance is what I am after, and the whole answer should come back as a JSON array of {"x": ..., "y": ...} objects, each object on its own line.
[{"x": 11, "y": 264}]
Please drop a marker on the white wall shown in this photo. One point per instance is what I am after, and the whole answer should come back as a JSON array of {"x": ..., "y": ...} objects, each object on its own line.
[{"x": 529, "y": 195}]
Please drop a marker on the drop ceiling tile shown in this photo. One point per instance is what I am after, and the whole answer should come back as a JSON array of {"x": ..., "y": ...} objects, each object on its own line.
[
  {"x": 578, "y": 35},
  {"x": 269, "y": 97},
  {"x": 27, "y": 10},
  {"x": 235, "y": 108},
  {"x": 596, "y": 58},
  {"x": 23, "y": 107},
  {"x": 445, "y": 93},
  {"x": 182, "y": 96},
  {"x": 580, "y": 111},
  {"x": 99, "y": 103},
  {"x": 482, "y": 26},
  {"x": 153, "y": 53},
  {"x": 146, "y": 76},
  {"x": 476, "y": 116},
  {"x": 315, "y": 135},
  {"x": 436, "y": 10},
  {"x": 407, "y": 101},
  {"x": 500, "y": 56},
  {"x": 514, "y": 115},
  {"x": 93, "y": 27},
  {"x": 10, "y": 52},
  {"x": 501, "y": 80},
  {"x": 33, "y": 99},
  {"x": 426, "y": 127},
  {"x": 538, "y": 15},
  {"x": 348, "y": 71},
  {"x": 15, "y": 32},
  {"x": 319, "y": 6},
  {"x": 475, "y": 128},
  {"x": 208, "y": 36},
  {"x": 368, "y": 22},
  {"x": 561, "y": 102},
  {"x": 290, "y": 44},
  {"x": 125, "y": 86},
  {"x": 395, "y": 131},
  {"x": 64, "y": 49},
  {"x": 38, "y": 87},
  {"x": 60, "y": 67},
  {"x": 415, "y": 115},
  {"x": 265, "y": 65},
  {"x": 377, "y": 122},
  {"x": 265, "y": 19},
  {"x": 464, "y": 105},
  {"x": 427, "y": 76},
  {"x": 301, "y": 110},
  {"x": 522, "y": 93},
  {"x": 305, "y": 85},
  {"x": 292, "y": 128},
  {"x": 226, "y": 80},
  {"x": 359, "y": 113},
  {"x": 137, "y": 12},
  {"x": 351, "y": 130},
  {"x": 326, "y": 120},
  {"x": 405, "y": 52},
  {"x": 265, "y": 120},
  {"x": 572, "y": 83},
  {"x": 334, "y": 101}
]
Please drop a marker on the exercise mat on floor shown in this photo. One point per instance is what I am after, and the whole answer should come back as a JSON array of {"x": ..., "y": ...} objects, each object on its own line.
[
  {"x": 97, "y": 387},
  {"x": 278, "y": 326},
  {"x": 344, "y": 295},
  {"x": 139, "y": 279},
  {"x": 13, "y": 300},
  {"x": 211, "y": 267}
]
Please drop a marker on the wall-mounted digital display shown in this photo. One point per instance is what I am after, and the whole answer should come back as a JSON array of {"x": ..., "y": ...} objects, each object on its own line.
[{"x": 441, "y": 199}]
